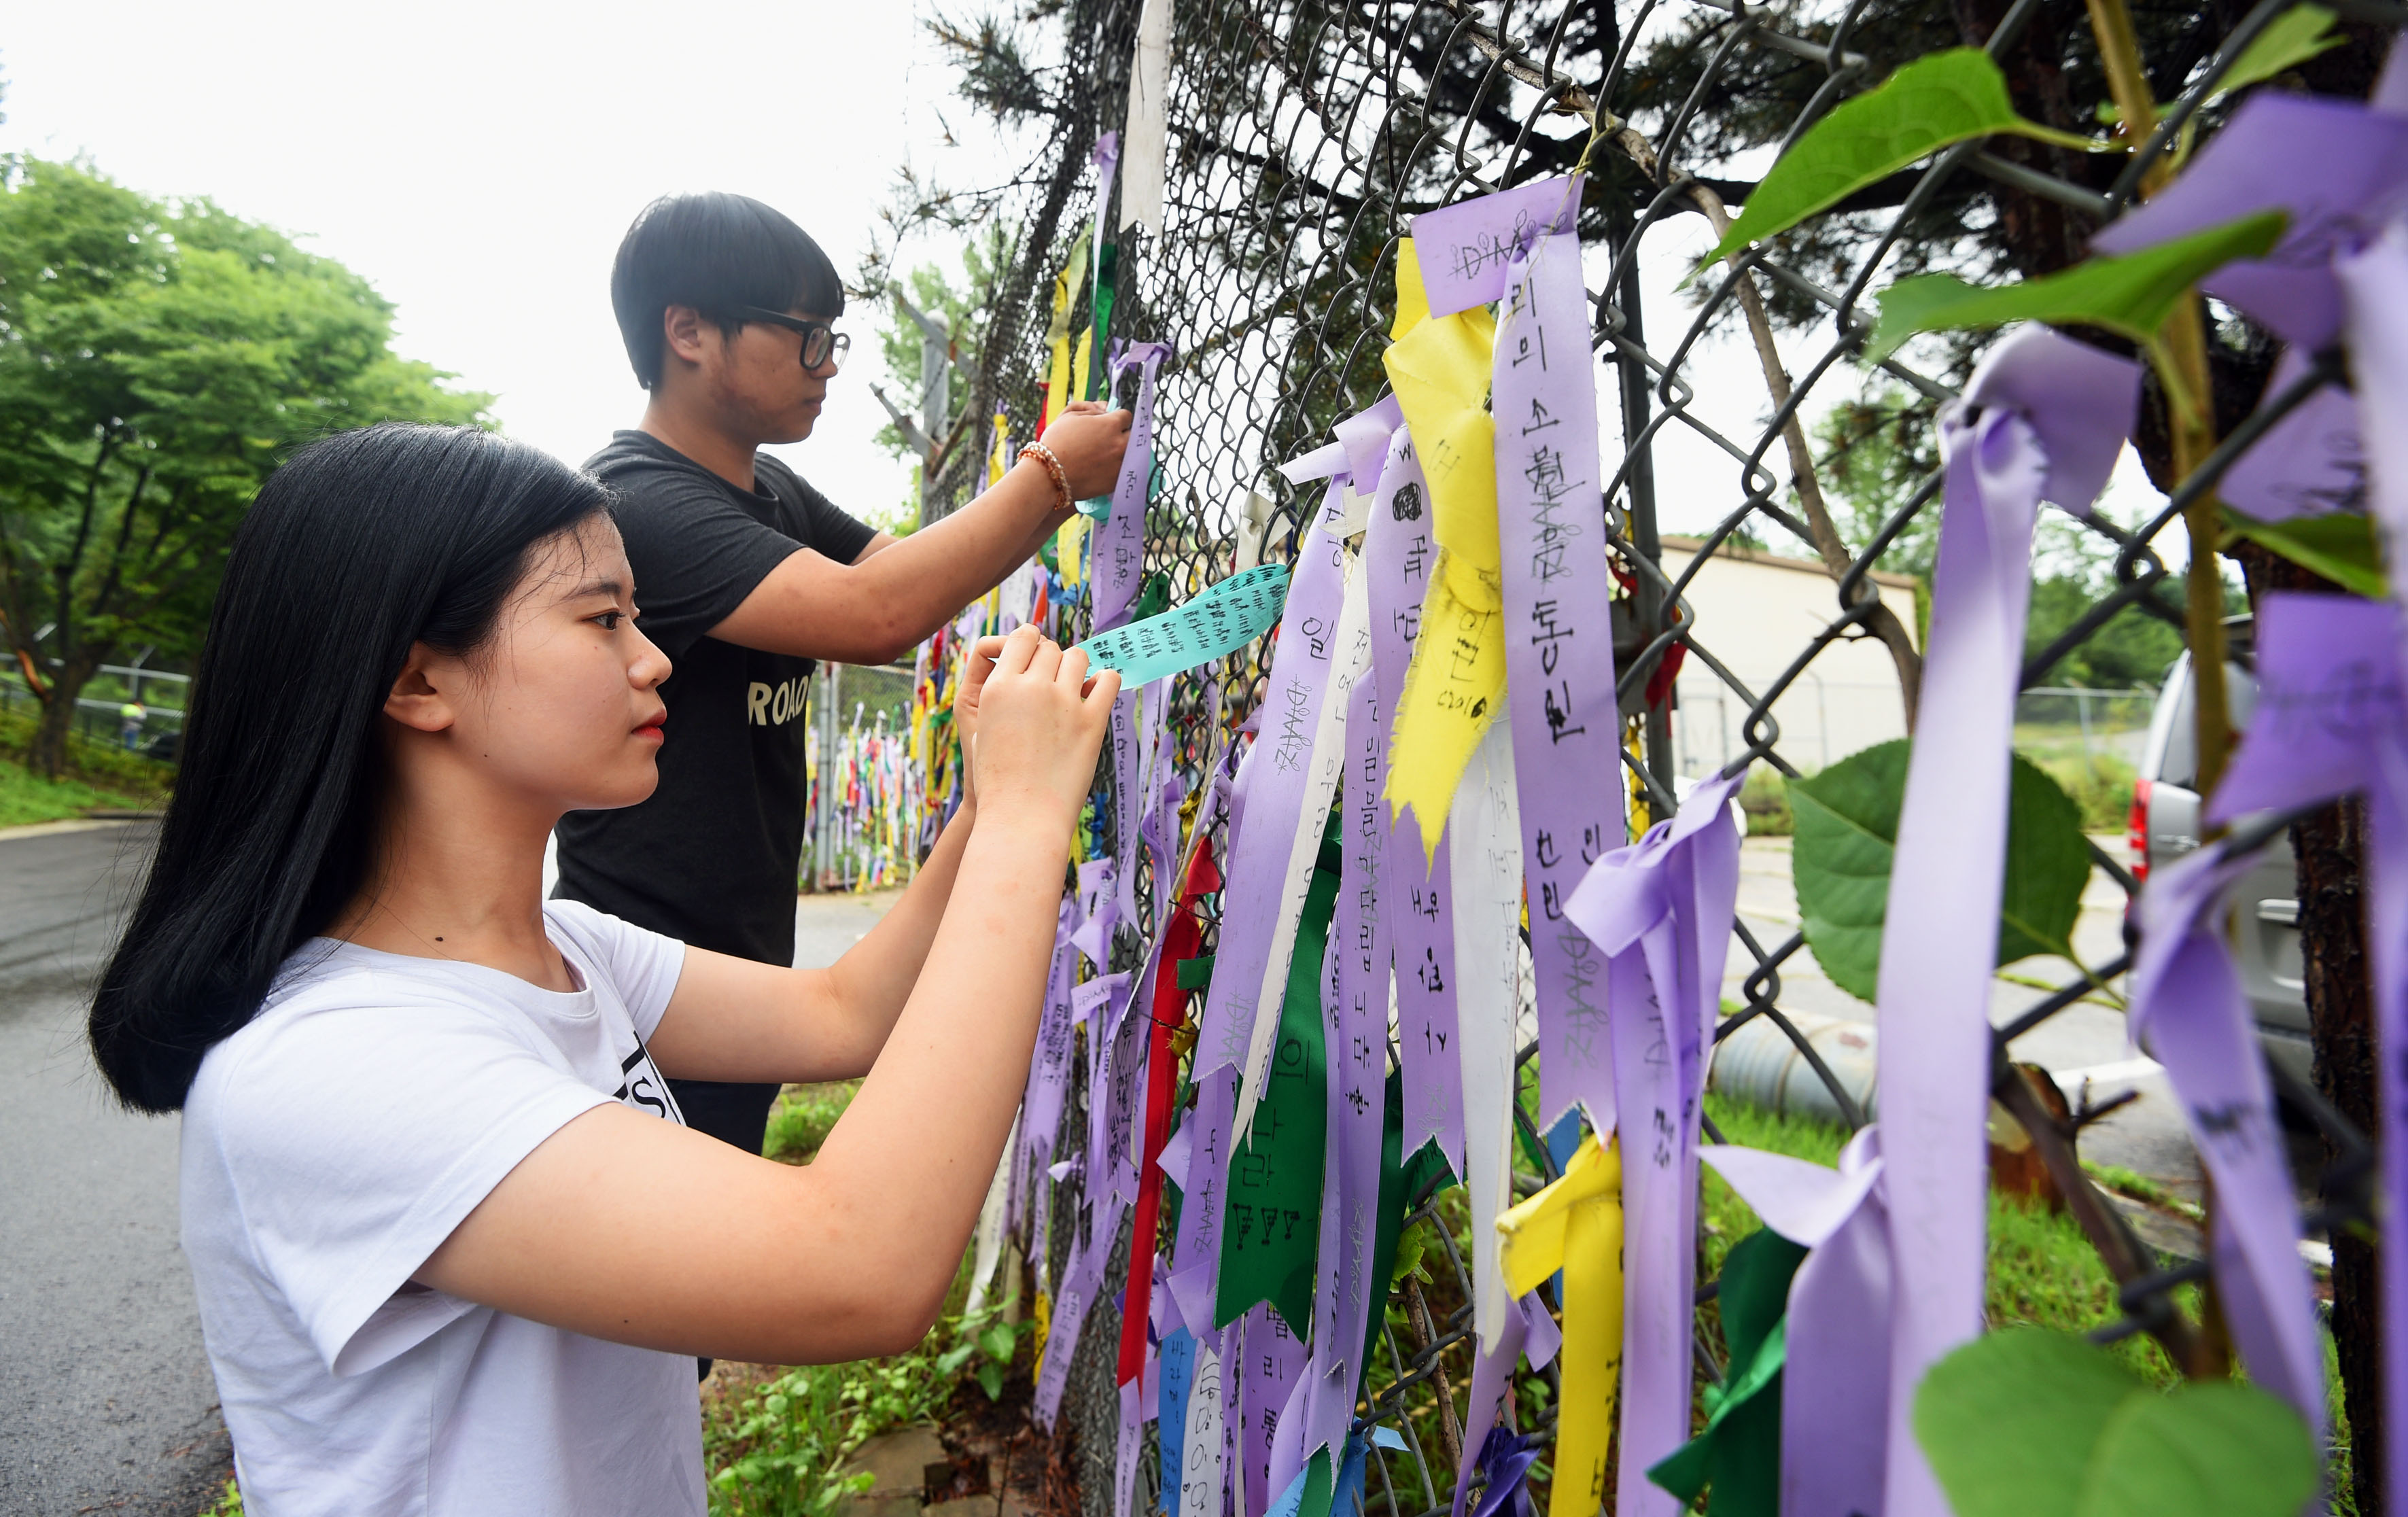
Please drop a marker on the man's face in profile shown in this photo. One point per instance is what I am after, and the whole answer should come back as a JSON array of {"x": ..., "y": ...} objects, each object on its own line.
[{"x": 759, "y": 378}]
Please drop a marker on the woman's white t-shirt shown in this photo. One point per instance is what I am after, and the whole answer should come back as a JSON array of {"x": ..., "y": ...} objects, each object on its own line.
[{"x": 330, "y": 1146}]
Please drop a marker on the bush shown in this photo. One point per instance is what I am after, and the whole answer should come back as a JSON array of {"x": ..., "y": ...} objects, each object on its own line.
[
  {"x": 1765, "y": 799},
  {"x": 2101, "y": 785},
  {"x": 130, "y": 778}
]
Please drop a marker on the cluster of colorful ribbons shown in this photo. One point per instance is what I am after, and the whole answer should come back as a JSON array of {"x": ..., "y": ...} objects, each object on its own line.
[
  {"x": 873, "y": 790},
  {"x": 1410, "y": 829}
]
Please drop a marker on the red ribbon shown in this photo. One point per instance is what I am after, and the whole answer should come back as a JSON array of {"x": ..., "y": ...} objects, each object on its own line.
[{"x": 1179, "y": 942}]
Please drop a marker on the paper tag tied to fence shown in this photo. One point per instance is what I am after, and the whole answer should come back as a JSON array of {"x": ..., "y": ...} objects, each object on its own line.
[{"x": 1215, "y": 623}]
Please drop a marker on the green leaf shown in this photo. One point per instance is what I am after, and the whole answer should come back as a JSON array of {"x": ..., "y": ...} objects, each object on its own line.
[
  {"x": 2210, "y": 1447},
  {"x": 2132, "y": 294},
  {"x": 990, "y": 1379},
  {"x": 2011, "y": 1420},
  {"x": 2028, "y": 1422},
  {"x": 2294, "y": 38},
  {"x": 1923, "y": 107},
  {"x": 997, "y": 1342},
  {"x": 950, "y": 1361},
  {"x": 2341, "y": 547},
  {"x": 1846, "y": 819}
]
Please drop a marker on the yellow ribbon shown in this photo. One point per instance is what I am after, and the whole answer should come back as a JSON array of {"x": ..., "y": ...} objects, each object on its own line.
[
  {"x": 1057, "y": 333},
  {"x": 1575, "y": 1225},
  {"x": 997, "y": 461},
  {"x": 1439, "y": 367}
]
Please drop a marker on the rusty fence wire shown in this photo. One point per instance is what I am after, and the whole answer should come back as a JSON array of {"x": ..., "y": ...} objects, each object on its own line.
[{"x": 1304, "y": 135}]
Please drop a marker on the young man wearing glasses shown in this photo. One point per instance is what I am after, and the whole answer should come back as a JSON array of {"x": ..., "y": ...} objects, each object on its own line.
[{"x": 745, "y": 575}]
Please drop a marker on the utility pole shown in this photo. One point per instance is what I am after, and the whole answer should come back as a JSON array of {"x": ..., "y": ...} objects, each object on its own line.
[{"x": 936, "y": 431}]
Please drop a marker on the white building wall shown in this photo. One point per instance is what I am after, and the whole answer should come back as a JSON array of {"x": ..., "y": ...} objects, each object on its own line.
[{"x": 1755, "y": 613}]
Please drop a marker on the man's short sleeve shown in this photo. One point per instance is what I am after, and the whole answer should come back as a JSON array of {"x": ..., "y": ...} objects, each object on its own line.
[
  {"x": 833, "y": 533},
  {"x": 695, "y": 552}
]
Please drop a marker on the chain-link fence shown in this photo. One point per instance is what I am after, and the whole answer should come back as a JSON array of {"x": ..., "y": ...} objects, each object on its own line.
[{"x": 1304, "y": 136}]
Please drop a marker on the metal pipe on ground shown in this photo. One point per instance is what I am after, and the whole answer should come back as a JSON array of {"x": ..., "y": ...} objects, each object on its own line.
[{"x": 1760, "y": 1065}]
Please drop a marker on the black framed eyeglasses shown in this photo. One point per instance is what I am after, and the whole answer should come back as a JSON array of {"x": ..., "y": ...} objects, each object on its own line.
[{"x": 822, "y": 343}]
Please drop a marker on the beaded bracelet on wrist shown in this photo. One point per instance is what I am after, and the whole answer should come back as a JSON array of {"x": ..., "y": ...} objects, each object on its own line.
[{"x": 1044, "y": 455}]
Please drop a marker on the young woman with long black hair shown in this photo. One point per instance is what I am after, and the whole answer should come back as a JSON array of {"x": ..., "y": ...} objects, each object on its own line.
[{"x": 434, "y": 1192}]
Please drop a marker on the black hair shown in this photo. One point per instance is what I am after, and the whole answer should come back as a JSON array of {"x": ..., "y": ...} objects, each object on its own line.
[
  {"x": 360, "y": 546},
  {"x": 717, "y": 252}
]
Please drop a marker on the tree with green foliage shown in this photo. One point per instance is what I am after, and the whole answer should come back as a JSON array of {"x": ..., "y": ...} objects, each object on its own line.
[
  {"x": 157, "y": 358},
  {"x": 963, "y": 302}
]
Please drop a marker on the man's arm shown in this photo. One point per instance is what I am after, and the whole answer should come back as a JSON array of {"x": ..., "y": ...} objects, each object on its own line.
[
  {"x": 875, "y": 608},
  {"x": 734, "y": 1019}
]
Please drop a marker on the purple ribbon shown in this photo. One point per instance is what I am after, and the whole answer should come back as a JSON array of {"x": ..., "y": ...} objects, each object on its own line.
[
  {"x": 1049, "y": 1072},
  {"x": 1661, "y": 912},
  {"x": 1398, "y": 553},
  {"x": 1082, "y": 1282},
  {"x": 1464, "y": 249},
  {"x": 2188, "y": 1011},
  {"x": 1274, "y": 1363},
  {"x": 1113, "y": 1099},
  {"x": 1128, "y": 806},
  {"x": 2339, "y": 167},
  {"x": 1275, "y": 777},
  {"x": 1356, "y": 1020},
  {"x": 1201, "y": 1187},
  {"x": 1118, "y": 557},
  {"x": 2043, "y": 417},
  {"x": 1558, "y": 655},
  {"x": 2331, "y": 719},
  {"x": 2375, "y": 290},
  {"x": 1525, "y": 1324},
  {"x": 1504, "y": 1462},
  {"x": 1835, "y": 1385},
  {"x": 1273, "y": 785},
  {"x": 2310, "y": 463}
]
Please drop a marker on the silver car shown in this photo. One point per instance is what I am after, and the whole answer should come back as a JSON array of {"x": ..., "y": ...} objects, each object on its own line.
[{"x": 2164, "y": 826}]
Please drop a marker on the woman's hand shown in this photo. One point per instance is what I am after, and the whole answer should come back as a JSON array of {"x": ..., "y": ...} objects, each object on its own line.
[
  {"x": 966, "y": 709},
  {"x": 1040, "y": 722},
  {"x": 1090, "y": 442}
]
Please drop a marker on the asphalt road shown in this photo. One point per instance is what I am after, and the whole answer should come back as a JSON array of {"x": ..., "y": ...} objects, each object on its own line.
[
  {"x": 106, "y": 1401},
  {"x": 2085, "y": 1043}
]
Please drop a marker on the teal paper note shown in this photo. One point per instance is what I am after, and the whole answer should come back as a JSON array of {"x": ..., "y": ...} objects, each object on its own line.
[{"x": 1220, "y": 621}]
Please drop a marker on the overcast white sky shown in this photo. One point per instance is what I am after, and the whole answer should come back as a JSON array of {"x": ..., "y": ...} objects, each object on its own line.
[{"x": 480, "y": 161}]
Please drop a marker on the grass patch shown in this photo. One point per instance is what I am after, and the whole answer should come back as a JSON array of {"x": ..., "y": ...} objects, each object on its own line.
[
  {"x": 96, "y": 776},
  {"x": 776, "y": 1447},
  {"x": 2042, "y": 1271},
  {"x": 803, "y": 1118},
  {"x": 2100, "y": 786},
  {"x": 27, "y": 797}
]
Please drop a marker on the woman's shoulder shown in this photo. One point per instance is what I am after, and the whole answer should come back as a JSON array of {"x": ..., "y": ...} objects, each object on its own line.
[{"x": 336, "y": 1018}]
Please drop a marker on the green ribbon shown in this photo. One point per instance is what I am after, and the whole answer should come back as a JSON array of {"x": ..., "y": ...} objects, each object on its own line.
[
  {"x": 1271, "y": 1227},
  {"x": 1739, "y": 1452}
]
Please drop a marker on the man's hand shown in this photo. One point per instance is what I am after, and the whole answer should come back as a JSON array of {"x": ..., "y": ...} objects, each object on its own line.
[{"x": 1090, "y": 442}]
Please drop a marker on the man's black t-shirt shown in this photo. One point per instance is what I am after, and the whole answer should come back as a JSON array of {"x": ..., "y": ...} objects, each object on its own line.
[{"x": 711, "y": 858}]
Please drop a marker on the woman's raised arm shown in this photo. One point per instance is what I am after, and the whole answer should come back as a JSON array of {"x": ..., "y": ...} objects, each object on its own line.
[{"x": 851, "y": 1254}]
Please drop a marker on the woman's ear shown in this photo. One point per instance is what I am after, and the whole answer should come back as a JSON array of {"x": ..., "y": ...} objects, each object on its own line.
[{"x": 414, "y": 701}]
